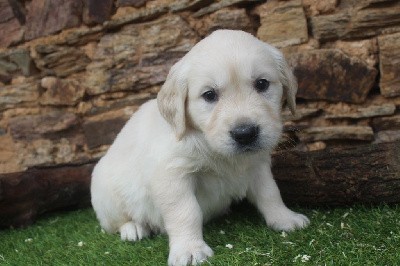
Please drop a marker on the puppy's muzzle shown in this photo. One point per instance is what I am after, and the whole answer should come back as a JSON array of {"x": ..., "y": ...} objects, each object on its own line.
[{"x": 245, "y": 134}]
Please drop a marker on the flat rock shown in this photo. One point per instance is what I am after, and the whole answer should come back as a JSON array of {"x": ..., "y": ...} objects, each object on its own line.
[
  {"x": 329, "y": 74},
  {"x": 15, "y": 62},
  {"x": 98, "y": 11},
  {"x": 135, "y": 3},
  {"x": 11, "y": 32},
  {"x": 226, "y": 18},
  {"x": 102, "y": 129},
  {"x": 219, "y": 5},
  {"x": 357, "y": 112},
  {"x": 140, "y": 15},
  {"x": 283, "y": 23},
  {"x": 32, "y": 127},
  {"x": 46, "y": 17},
  {"x": 139, "y": 55},
  {"x": 185, "y": 5},
  {"x": 336, "y": 133},
  {"x": 60, "y": 60},
  {"x": 389, "y": 64},
  {"x": 386, "y": 123},
  {"x": 363, "y": 20},
  {"x": 23, "y": 94}
]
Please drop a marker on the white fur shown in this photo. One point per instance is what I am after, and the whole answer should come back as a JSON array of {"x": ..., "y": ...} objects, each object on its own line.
[{"x": 174, "y": 165}]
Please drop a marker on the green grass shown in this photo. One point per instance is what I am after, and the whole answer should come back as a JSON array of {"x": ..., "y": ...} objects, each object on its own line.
[{"x": 341, "y": 236}]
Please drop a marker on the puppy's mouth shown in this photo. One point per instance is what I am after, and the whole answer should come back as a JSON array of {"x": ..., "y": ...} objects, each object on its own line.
[{"x": 248, "y": 148}]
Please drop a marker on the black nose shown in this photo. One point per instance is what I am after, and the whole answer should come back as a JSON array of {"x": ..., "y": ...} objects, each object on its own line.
[{"x": 245, "y": 134}]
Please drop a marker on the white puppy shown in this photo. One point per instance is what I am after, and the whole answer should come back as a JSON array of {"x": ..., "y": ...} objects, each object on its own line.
[{"x": 204, "y": 143}]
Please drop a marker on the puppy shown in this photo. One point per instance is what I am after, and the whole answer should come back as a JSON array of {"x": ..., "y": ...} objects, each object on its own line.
[{"x": 205, "y": 142}]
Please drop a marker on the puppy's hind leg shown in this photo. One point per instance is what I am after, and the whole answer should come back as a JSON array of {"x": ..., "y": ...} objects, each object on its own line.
[{"x": 133, "y": 231}]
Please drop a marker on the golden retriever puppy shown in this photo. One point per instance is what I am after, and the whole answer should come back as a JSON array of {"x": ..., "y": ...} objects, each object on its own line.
[{"x": 205, "y": 142}]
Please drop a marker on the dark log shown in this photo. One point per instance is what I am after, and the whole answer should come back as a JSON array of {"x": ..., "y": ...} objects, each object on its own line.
[
  {"x": 25, "y": 195},
  {"x": 340, "y": 176}
]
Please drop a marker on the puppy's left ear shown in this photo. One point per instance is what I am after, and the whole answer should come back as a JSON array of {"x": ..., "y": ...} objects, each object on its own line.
[
  {"x": 287, "y": 79},
  {"x": 171, "y": 99}
]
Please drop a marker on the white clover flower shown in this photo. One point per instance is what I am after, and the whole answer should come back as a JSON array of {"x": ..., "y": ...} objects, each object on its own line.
[
  {"x": 222, "y": 232},
  {"x": 80, "y": 243},
  {"x": 305, "y": 258},
  {"x": 28, "y": 240},
  {"x": 230, "y": 246}
]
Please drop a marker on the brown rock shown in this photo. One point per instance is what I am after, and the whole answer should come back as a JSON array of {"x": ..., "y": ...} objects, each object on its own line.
[
  {"x": 366, "y": 50},
  {"x": 135, "y": 16},
  {"x": 386, "y": 123},
  {"x": 316, "y": 7},
  {"x": 135, "y": 3},
  {"x": 102, "y": 129},
  {"x": 361, "y": 21},
  {"x": 61, "y": 91},
  {"x": 97, "y": 11},
  {"x": 234, "y": 19},
  {"x": 19, "y": 95},
  {"x": 11, "y": 30},
  {"x": 15, "y": 62},
  {"x": 219, "y": 5},
  {"x": 184, "y": 5},
  {"x": 107, "y": 102},
  {"x": 387, "y": 136},
  {"x": 46, "y": 17},
  {"x": 139, "y": 55},
  {"x": 283, "y": 23},
  {"x": 8, "y": 155},
  {"x": 53, "y": 124},
  {"x": 389, "y": 64},
  {"x": 336, "y": 133},
  {"x": 301, "y": 113},
  {"x": 11, "y": 33},
  {"x": 332, "y": 75},
  {"x": 60, "y": 61},
  {"x": 346, "y": 111}
]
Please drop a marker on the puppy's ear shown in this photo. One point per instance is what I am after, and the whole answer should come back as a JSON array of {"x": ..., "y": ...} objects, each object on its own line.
[
  {"x": 287, "y": 79},
  {"x": 172, "y": 98}
]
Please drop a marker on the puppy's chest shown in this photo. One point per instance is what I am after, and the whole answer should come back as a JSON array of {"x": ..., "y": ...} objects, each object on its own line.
[{"x": 226, "y": 185}]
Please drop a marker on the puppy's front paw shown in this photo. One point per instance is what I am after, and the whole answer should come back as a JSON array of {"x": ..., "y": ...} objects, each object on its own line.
[
  {"x": 286, "y": 220},
  {"x": 132, "y": 231},
  {"x": 189, "y": 253}
]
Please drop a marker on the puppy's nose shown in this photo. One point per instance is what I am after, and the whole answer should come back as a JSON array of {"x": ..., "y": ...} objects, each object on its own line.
[{"x": 245, "y": 134}]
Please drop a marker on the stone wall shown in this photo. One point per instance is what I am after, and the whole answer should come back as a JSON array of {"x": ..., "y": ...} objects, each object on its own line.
[{"x": 72, "y": 72}]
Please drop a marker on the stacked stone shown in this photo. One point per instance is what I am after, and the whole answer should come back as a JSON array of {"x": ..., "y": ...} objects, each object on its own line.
[{"x": 72, "y": 72}]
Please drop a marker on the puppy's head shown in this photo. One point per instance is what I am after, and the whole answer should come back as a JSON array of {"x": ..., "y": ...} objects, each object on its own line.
[{"x": 230, "y": 87}]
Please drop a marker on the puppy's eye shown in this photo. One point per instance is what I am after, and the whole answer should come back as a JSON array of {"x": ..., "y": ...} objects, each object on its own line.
[
  {"x": 261, "y": 85},
  {"x": 210, "y": 96}
]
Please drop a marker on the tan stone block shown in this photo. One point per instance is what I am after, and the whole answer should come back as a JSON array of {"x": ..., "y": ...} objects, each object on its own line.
[
  {"x": 313, "y": 134},
  {"x": 389, "y": 64},
  {"x": 366, "y": 50},
  {"x": 283, "y": 23},
  {"x": 12, "y": 96},
  {"x": 226, "y": 18},
  {"x": 8, "y": 155}
]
